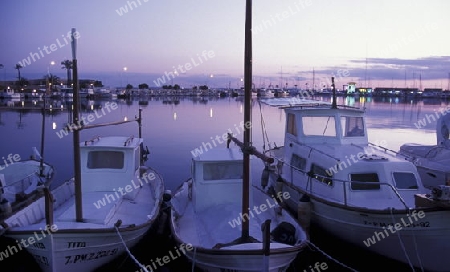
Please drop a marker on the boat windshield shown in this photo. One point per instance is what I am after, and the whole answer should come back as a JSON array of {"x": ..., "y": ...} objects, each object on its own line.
[
  {"x": 319, "y": 126},
  {"x": 405, "y": 180},
  {"x": 105, "y": 159},
  {"x": 352, "y": 126},
  {"x": 220, "y": 171}
]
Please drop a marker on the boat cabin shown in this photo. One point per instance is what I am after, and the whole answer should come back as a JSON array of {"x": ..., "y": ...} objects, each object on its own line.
[
  {"x": 110, "y": 163},
  {"x": 327, "y": 154},
  {"x": 322, "y": 124},
  {"x": 217, "y": 178}
]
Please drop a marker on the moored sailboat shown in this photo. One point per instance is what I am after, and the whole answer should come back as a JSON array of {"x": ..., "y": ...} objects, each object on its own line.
[{"x": 227, "y": 222}]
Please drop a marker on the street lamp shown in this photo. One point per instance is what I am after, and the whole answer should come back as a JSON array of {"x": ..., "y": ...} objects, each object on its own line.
[
  {"x": 49, "y": 74},
  {"x": 125, "y": 70}
]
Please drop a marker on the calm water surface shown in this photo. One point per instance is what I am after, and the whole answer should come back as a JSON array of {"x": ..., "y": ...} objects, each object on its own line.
[{"x": 173, "y": 127}]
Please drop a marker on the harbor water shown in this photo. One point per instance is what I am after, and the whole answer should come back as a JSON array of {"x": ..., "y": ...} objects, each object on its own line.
[{"x": 176, "y": 128}]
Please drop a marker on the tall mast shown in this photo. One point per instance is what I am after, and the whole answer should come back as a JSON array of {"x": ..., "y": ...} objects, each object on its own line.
[
  {"x": 314, "y": 86},
  {"x": 247, "y": 117},
  {"x": 76, "y": 133}
]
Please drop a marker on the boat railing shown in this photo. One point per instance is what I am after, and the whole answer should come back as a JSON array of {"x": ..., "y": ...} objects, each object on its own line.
[
  {"x": 96, "y": 138},
  {"x": 309, "y": 187},
  {"x": 385, "y": 149},
  {"x": 24, "y": 183}
]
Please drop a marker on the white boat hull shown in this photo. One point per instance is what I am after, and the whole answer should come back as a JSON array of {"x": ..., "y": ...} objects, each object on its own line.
[
  {"x": 78, "y": 250},
  {"x": 83, "y": 246},
  {"x": 245, "y": 257},
  {"x": 358, "y": 225},
  {"x": 239, "y": 262}
]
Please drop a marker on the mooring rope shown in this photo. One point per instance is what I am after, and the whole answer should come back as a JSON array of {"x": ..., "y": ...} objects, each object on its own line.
[
  {"x": 401, "y": 242},
  {"x": 193, "y": 259},
  {"x": 128, "y": 251},
  {"x": 329, "y": 257}
]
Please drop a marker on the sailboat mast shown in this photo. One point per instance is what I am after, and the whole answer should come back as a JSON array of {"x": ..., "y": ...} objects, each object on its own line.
[
  {"x": 247, "y": 116},
  {"x": 314, "y": 79},
  {"x": 76, "y": 133},
  {"x": 41, "y": 164}
]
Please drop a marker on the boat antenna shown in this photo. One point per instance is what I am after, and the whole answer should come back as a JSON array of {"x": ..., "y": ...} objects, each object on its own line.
[
  {"x": 333, "y": 105},
  {"x": 76, "y": 132},
  {"x": 247, "y": 117}
]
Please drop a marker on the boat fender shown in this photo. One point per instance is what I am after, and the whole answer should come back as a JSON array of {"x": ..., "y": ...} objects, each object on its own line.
[
  {"x": 304, "y": 212},
  {"x": 5, "y": 207},
  {"x": 271, "y": 191},
  {"x": 284, "y": 233},
  {"x": 279, "y": 184},
  {"x": 265, "y": 177}
]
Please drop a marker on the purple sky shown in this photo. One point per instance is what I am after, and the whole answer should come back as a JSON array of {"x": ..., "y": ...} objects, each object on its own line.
[{"x": 153, "y": 39}]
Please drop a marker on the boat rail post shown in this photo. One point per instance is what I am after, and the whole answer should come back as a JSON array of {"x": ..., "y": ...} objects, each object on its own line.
[
  {"x": 48, "y": 206},
  {"x": 266, "y": 244}
]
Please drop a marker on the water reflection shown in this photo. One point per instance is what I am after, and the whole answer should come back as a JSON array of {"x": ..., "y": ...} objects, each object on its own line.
[{"x": 174, "y": 126}]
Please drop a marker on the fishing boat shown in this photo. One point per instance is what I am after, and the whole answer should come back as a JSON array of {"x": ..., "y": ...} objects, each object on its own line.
[
  {"x": 106, "y": 208},
  {"x": 22, "y": 181},
  {"x": 359, "y": 192},
  {"x": 207, "y": 215},
  {"x": 227, "y": 224},
  {"x": 432, "y": 161}
]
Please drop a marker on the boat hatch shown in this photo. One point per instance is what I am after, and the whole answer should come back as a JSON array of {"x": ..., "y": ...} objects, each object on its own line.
[{"x": 372, "y": 157}]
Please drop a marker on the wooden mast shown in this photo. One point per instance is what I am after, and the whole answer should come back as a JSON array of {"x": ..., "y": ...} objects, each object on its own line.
[
  {"x": 247, "y": 117},
  {"x": 76, "y": 133}
]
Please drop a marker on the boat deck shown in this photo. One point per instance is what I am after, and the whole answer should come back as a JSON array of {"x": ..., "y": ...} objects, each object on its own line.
[
  {"x": 221, "y": 224},
  {"x": 98, "y": 211}
]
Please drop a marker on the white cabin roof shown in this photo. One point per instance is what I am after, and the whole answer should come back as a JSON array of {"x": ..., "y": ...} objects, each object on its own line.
[
  {"x": 113, "y": 141},
  {"x": 220, "y": 154}
]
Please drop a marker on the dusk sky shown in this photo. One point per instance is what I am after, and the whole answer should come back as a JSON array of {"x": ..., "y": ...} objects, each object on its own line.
[{"x": 374, "y": 43}]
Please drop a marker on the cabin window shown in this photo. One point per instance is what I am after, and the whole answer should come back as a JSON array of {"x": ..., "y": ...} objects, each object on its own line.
[
  {"x": 218, "y": 171},
  {"x": 366, "y": 181},
  {"x": 319, "y": 126},
  {"x": 319, "y": 173},
  {"x": 291, "y": 125},
  {"x": 105, "y": 159},
  {"x": 298, "y": 162},
  {"x": 352, "y": 126},
  {"x": 137, "y": 158},
  {"x": 404, "y": 180}
]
